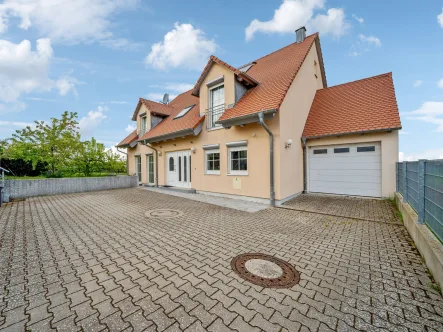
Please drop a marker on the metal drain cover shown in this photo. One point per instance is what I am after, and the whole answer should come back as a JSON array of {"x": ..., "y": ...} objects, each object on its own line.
[
  {"x": 266, "y": 271},
  {"x": 163, "y": 213}
]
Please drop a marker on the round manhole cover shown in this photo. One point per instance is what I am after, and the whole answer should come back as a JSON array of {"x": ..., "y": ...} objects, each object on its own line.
[
  {"x": 266, "y": 271},
  {"x": 163, "y": 213}
]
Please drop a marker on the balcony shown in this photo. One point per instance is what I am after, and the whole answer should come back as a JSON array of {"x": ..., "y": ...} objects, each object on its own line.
[{"x": 213, "y": 114}]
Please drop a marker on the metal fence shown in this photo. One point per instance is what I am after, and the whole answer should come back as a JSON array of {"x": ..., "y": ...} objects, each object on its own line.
[{"x": 421, "y": 185}]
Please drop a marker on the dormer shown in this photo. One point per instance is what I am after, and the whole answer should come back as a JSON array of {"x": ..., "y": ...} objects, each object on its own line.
[
  {"x": 220, "y": 87},
  {"x": 148, "y": 114}
]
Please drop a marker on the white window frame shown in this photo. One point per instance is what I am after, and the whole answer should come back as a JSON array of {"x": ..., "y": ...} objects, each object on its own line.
[
  {"x": 209, "y": 171},
  {"x": 145, "y": 120},
  {"x": 237, "y": 172},
  {"x": 210, "y": 107},
  {"x": 148, "y": 168}
]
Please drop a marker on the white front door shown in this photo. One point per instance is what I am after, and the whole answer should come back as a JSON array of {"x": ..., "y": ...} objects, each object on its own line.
[
  {"x": 178, "y": 169},
  {"x": 346, "y": 169}
]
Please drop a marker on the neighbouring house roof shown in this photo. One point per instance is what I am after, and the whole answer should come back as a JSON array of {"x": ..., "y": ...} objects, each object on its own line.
[
  {"x": 274, "y": 73},
  {"x": 170, "y": 125},
  {"x": 361, "y": 106},
  {"x": 129, "y": 141},
  {"x": 213, "y": 59},
  {"x": 153, "y": 107}
]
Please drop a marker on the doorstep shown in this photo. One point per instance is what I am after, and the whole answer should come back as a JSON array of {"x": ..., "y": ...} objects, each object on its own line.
[{"x": 176, "y": 189}]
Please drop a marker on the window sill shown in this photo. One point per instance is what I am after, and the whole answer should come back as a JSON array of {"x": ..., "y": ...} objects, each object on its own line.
[
  {"x": 212, "y": 173},
  {"x": 237, "y": 174},
  {"x": 215, "y": 128}
]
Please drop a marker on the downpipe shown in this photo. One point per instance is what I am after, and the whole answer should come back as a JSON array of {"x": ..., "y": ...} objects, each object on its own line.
[
  {"x": 271, "y": 157},
  {"x": 305, "y": 170}
]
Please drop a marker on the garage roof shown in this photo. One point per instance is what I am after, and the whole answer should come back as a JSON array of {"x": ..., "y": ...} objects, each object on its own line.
[{"x": 361, "y": 106}]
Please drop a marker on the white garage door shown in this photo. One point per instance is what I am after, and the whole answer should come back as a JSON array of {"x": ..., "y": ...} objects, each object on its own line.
[{"x": 352, "y": 169}]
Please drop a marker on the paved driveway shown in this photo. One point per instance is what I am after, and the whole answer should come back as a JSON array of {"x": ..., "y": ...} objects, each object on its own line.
[{"x": 93, "y": 261}]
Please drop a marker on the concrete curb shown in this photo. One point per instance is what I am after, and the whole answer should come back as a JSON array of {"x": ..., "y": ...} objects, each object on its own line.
[{"x": 430, "y": 248}]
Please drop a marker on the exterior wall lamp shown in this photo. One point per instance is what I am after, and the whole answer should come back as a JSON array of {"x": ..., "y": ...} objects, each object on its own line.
[
  {"x": 193, "y": 150},
  {"x": 288, "y": 143}
]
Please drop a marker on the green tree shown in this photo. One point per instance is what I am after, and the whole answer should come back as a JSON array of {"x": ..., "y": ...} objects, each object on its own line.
[
  {"x": 115, "y": 162},
  {"x": 52, "y": 144},
  {"x": 90, "y": 158}
]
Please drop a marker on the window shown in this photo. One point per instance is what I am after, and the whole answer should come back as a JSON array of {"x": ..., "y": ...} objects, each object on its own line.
[
  {"x": 185, "y": 168},
  {"x": 212, "y": 162},
  {"x": 216, "y": 105},
  {"x": 238, "y": 160},
  {"x": 321, "y": 151},
  {"x": 341, "y": 150},
  {"x": 180, "y": 169},
  {"x": 183, "y": 112},
  {"x": 365, "y": 148},
  {"x": 150, "y": 168},
  {"x": 143, "y": 125},
  {"x": 171, "y": 164}
]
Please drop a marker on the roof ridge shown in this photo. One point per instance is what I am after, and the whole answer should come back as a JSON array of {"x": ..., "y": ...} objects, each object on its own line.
[
  {"x": 360, "y": 79},
  {"x": 282, "y": 48},
  {"x": 141, "y": 98}
]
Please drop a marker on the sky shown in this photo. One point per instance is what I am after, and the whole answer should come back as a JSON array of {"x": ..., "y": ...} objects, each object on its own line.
[{"x": 97, "y": 57}]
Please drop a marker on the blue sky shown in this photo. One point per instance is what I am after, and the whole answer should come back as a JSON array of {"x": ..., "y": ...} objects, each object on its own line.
[{"x": 98, "y": 57}]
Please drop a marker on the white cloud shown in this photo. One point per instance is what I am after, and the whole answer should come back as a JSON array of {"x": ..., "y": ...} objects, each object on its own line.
[
  {"x": 183, "y": 46},
  {"x": 130, "y": 128},
  {"x": 370, "y": 40},
  {"x": 440, "y": 84},
  {"x": 12, "y": 107},
  {"x": 418, "y": 83},
  {"x": 17, "y": 124},
  {"x": 358, "y": 19},
  {"x": 68, "y": 21},
  {"x": 23, "y": 70},
  {"x": 440, "y": 18},
  {"x": 179, "y": 87},
  {"x": 427, "y": 154},
  {"x": 292, "y": 14},
  {"x": 364, "y": 44},
  {"x": 430, "y": 112},
  {"x": 402, "y": 132},
  {"x": 89, "y": 123}
]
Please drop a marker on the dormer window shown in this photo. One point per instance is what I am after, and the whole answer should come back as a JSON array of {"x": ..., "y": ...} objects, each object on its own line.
[
  {"x": 216, "y": 104},
  {"x": 183, "y": 112},
  {"x": 143, "y": 125}
]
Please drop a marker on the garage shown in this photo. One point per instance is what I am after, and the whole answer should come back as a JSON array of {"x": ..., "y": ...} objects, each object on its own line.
[{"x": 346, "y": 169}]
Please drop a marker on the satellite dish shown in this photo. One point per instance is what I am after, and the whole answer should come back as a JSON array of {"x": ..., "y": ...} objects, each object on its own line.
[{"x": 166, "y": 98}]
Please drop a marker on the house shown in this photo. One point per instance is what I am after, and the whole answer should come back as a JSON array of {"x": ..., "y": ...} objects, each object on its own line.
[{"x": 271, "y": 129}]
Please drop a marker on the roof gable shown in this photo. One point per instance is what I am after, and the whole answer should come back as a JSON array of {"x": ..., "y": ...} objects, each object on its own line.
[
  {"x": 275, "y": 73},
  {"x": 153, "y": 107},
  {"x": 129, "y": 140},
  {"x": 361, "y": 106},
  {"x": 214, "y": 60}
]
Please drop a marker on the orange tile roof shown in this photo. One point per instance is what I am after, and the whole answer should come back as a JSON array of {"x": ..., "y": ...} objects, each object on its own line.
[
  {"x": 275, "y": 73},
  {"x": 365, "y": 105},
  {"x": 153, "y": 107},
  {"x": 132, "y": 137},
  {"x": 170, "y": 125},
  {"x": 213, "y": 59}
]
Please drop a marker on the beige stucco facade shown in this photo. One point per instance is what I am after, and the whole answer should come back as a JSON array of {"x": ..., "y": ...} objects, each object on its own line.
[{"x": 287, "y": 124}]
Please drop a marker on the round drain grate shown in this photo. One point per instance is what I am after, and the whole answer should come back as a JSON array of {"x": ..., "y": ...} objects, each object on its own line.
[
  {"x": 266, "y": 271},
  {"x": 163, "y": 213}
]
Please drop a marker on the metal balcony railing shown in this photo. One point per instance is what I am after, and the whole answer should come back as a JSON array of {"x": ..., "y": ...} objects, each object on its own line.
[{"x": 213, "y": 114}]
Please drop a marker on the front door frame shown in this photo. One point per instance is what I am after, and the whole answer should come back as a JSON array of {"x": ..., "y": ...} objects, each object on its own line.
[{"x": 178, "y": 170}]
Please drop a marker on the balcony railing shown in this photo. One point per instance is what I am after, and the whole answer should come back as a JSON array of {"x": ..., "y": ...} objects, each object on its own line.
[{"x": 213, "y": 114}]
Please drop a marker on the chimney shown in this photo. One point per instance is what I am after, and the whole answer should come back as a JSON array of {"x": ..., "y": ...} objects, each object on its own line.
[{"x": 300, "y": 34}]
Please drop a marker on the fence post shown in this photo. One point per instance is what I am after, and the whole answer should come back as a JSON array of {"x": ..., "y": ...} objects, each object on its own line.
[
  {"x": 405, "y": 181},
  {"x": 421, "y": 191}
]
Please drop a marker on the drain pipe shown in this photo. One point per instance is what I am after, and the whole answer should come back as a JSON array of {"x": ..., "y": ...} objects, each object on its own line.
[
  {"x": 127, "y": 161},
  {"x": 305, "y": 171},
  {"x": 156, "y": 163},
  {"x": 271, "y": 156}
]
